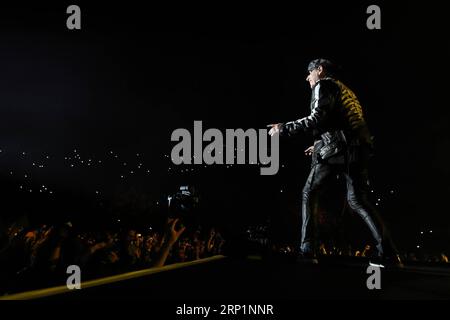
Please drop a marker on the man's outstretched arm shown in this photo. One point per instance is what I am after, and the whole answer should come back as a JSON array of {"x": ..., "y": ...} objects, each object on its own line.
[{"x": 324, "y": 102}]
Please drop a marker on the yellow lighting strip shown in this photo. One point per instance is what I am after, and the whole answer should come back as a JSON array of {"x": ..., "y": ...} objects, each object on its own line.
[{"x": 41, "y": 293}]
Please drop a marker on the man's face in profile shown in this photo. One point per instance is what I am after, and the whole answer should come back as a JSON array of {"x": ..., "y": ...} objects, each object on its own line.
[{"x": 314, "y": 76}]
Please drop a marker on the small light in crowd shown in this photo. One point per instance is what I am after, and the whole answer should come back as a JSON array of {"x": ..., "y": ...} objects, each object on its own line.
[
  {"x": 148, "y": 171},
  {"x": 47, "y": 157},
  {"x": 118, "y": 220},
  {"x": 10, "y": 172},
  {"x": 23, "y": 153},
  {"x": 97, "y": 192},
  {"x": 122, "y": 176},
  {"x": 111, "y": 152},
  {"x": 75, "y": 150},
  {"x": 421, "y": 232},
  {"x": 33, "y": 164},
  {"x": 371, "y": 191},
  {"x": 26, "y": 176},
  {"x": 50, "y": 192},
  {"x": 71, "y": 165},
  {"x": 116, "y": 156},
  {"x": 137, "y": 154},
  {"x": 65, "y": 158},
  {"x": 376, "y": 204},
  {"x": 379, "y": 199},
  {"x": 418, "y": 247},
  {"x": 31, "y": 190},
  {"x": 124, "y": 163},
  {"x": 392, "y": 191},
  {"x": 431, "y": 231},
  {"x": 281, "y": 190},
  {"x": 21, "y": 187},
  {"x": 131, "y": 172}
]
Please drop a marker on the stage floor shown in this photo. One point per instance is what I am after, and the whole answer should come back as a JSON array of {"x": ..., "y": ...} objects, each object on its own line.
[{"x": 255, "y": 279}]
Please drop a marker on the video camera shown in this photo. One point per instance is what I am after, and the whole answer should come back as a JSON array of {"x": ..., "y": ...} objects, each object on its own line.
[{"x": 183, "y": 205}]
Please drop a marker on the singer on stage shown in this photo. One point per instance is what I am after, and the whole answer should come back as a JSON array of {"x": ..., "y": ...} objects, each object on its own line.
[{"x": 342, "y": 145}]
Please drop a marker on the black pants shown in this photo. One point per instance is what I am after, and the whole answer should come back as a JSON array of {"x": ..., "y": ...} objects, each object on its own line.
[{"x": 356, "y": 176}]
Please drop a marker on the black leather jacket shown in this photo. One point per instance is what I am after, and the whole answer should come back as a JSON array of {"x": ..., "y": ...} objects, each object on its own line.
[{"x": 336, "y": 119}]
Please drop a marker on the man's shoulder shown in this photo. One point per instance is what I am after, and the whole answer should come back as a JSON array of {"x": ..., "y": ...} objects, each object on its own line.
[{"x": 327, "y": 84}]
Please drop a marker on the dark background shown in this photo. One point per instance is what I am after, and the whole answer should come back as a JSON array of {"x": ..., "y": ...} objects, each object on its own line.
[{"x": 135, "y": 73}]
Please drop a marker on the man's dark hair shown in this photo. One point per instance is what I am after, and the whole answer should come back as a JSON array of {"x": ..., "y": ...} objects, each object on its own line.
[{"x": 329, "y": 67}]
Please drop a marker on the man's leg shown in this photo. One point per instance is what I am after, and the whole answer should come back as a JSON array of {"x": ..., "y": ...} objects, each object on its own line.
[
  {"x": 357, "y": 179},
  {"x": 318, "y": 178},
  {"x": 357, "y": 198}
]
